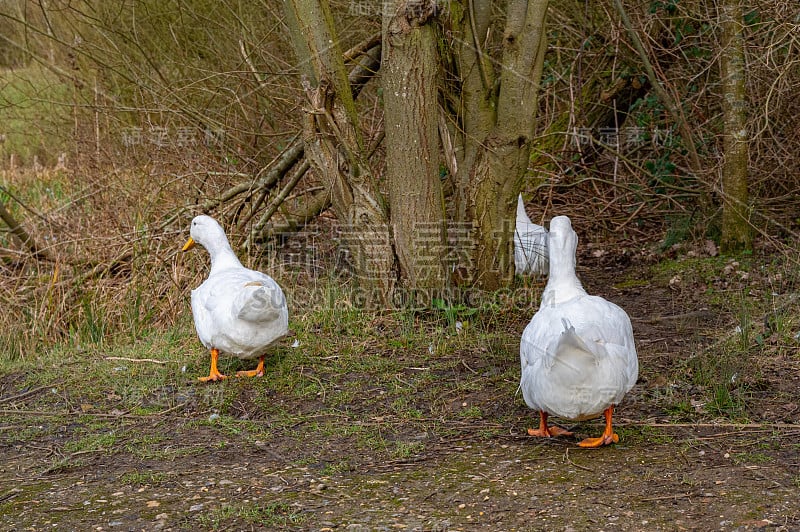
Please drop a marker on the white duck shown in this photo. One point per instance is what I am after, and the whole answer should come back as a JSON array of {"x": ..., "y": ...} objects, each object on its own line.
[
  {"x": 530, "y": 244},
  {"x": 578, "y": 355},
  {"x": 236, "y": 310}
]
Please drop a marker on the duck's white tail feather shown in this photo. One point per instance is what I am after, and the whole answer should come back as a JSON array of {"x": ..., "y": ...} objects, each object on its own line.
[
  {"x": 257, "y": 303},
  {"x": 522, "y": 216},
  {"x": 573, "y": 362}
]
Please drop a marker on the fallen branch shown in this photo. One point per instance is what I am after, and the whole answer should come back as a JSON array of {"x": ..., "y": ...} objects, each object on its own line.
[
  {"x": 675, "y": 496},
  {"x": 713, "y": 425},
  {"x": 24, "y": 237},
  {"x": 24, "y": 394},
  {"x": 126, "y": 359},
  {"x": 66, "y": 413},
  {"x": 292, "y": 221},
  {"x": 298, "y": 173}
]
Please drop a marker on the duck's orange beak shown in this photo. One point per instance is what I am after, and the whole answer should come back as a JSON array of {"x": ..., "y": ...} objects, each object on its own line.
[{"x": 189, "y": 244}]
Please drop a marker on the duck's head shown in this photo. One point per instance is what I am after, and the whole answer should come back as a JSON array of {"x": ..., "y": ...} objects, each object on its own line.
[
  {"x": 205, "y": 231},
  {"x": 563, "y": 240}
]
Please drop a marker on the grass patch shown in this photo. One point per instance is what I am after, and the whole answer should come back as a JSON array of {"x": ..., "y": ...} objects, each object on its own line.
[
  {"x": 707, "y": 270},
  {"x": 269, "y": 515},
  {"x": 143, "y": 478},
  {"x": 405, "y": 450},
  {"x": 752, "y": 458},
  {"x": 92, "y": 442}
]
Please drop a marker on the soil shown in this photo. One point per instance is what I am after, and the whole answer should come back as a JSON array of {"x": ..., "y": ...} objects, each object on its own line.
[{"x": 467, "y": 463}]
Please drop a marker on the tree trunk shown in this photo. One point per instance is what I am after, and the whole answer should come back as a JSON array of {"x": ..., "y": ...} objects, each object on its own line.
[
  {"x": 498, "y": 128},
  {"x": 336, "y": 148},
  {"x": 410, "y": 83},
  {"x": 736, "y": 234}
]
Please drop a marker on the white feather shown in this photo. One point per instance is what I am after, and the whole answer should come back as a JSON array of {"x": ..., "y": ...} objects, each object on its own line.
[{"x": 530, "y": 244}]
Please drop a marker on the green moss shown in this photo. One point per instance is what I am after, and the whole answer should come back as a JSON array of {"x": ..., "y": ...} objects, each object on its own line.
[{"x": 631, "y": 283}]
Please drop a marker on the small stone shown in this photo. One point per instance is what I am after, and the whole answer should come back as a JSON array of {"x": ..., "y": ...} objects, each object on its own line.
[
  {"x": 196, "y": 507},
  {"x": 162, "y": 517},
  {"x": 153, "y": 504}
]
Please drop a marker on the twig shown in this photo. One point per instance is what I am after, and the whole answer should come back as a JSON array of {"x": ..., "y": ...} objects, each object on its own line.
[
  {"x": 464, "y": 363},
  {"x": 9, "y": 412},
  {"x": 691, "y": 314},
  {"x": 126, "y": 359},
  {"x": 259, "y": 79},
  {"x": 88, "y": 451},
  {"x": 715, "y": 425},
  {"x": 10, "y": 494},
  {"x": 675, "y": 496},
  {"x": 566, "y": 455},
  {"x": 24, "y": 394}
]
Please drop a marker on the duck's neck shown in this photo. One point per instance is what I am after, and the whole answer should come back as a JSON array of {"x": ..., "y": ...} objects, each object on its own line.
[
  {"x": 562, "y": 283},
  {"x": 222, "y": 256}
]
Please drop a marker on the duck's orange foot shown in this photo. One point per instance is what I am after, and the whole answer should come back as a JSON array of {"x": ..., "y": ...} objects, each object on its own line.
[
  {"x": 213, "y": 374},
  {"x": 258, "y": 372},
  {"x": 213, "y": 377},
  {"x": 605, "y": 439},
  {"x": 251, "y": 373},
  {"x": 547, "y": 432}
]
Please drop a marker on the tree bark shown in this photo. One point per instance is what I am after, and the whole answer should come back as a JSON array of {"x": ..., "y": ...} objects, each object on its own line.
[
  {"x": 736, "y": 233},
  {"x": 410, "y": 83}
]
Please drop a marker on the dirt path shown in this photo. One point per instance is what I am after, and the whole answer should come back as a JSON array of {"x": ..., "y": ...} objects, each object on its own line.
[
  {"x": 381, "y": 434},
  {"x": 698, "y": 480}
]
